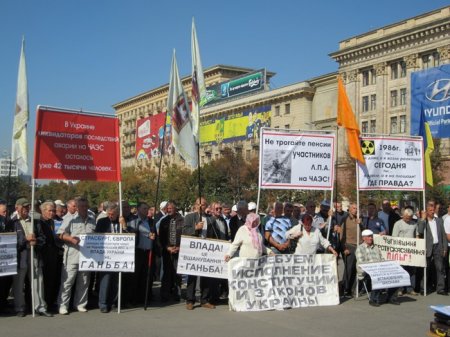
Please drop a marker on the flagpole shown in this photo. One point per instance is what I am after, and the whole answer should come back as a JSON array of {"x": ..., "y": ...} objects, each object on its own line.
[
  {"x": 358, "y": 216},
  {"x": 119, "y": 292},
  {"x": 32, "y": 251}
]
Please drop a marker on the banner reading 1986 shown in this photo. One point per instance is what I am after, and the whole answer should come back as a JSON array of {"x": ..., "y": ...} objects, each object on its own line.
[
  {"x": 391, "y": 164},
  {"x": 296, "y": 160}
]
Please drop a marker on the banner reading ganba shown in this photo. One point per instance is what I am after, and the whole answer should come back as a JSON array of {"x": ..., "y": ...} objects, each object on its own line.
[{"x": 282, "y": 281}]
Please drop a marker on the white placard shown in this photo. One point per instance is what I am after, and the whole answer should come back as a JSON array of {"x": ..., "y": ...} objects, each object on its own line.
[
  {"x": 296, "y": 160},
  {"x": 391, "y": 164},
  {"x": 107, "y": 252},
  {"x": 8, "y": 254},
  {"x": 406, "y": 251},
  {"x": 386, "y": 274},
  {"x": 203, "y": 257},
  {"x": 282, "y": 281}
]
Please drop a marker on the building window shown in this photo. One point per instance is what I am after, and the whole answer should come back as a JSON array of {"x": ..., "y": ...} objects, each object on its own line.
[
  {"x": 403, "y": 96},
  {"x": 373, "y": 76},
  {"x": 287, "y": 126},
  {"x": 373, "y": 102},
  {"x": 430, "y": 60},
  {"x": 403, "y": 124},
  {"x": 393, "y": 124},
  {"x": 287, "y": 109},
  {"x": 364, "y": 127},
  {"x": 277, "y": 110},
  {"x": 365, "y": 103},
  {"x": 276, "y": 127},
  {"x": 373, "y": 126},
  {"x": 394, "y": 71},
  {"x": 248, "y": 154},
  {"x": 365, "y": 78},
  {"x": 402, "y": 69},
  {"x": 394, "y": 96}
]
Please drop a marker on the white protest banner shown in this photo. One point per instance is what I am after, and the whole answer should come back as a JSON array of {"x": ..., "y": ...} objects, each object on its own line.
[
  {"x": 107, "y": 252},
  {"x": 296, "y": 160},
  {"x": 386, "y": 274},
  {"x": 8, "y": 254},
  {"x": 406, "y": 251},
  {"x": 391, "y": 164},
  {"x": 282, "y": 281},
  {"x": 203, "y": 257}
]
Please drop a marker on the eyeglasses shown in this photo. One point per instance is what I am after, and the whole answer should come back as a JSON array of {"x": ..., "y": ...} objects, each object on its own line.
[{"x": 218, "y": 208}]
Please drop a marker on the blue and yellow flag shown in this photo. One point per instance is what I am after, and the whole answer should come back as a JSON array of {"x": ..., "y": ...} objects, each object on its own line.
[{"x": 428, "y": 146}]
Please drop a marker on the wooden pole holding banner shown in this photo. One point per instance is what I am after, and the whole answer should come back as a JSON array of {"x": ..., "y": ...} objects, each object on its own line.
[
  {"x": 119, "y": 292},
  {"x": 425, "y": 238},
  {"x": 33, "y": 300},
  {"x": 358, "y": 216}
]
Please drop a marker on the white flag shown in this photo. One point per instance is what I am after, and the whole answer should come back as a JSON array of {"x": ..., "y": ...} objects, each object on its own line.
[
  {"x": 198, "y": 84},
  {"x": 180, "y": 115},
  {"x": 19, "y": 137}
]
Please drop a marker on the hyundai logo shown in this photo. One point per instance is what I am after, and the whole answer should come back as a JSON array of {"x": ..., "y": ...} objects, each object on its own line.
[{"x": 438, "y": 91}]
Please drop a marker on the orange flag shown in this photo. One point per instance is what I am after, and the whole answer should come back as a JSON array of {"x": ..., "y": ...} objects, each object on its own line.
[{"x": 346, "y": 118}]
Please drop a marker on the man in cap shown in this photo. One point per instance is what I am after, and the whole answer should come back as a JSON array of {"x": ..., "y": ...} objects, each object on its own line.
[
  {"x": 367, "y": 252},
  {"x": 239, "y": 219},
  {"x": 60, "y": 210},
  {"x": 28, "y": 235}
]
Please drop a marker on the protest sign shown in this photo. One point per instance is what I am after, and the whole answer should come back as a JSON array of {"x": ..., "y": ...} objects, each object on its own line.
[
  {"x": 295, "y": 160},
  {"x": 391, "y": 164},
  {"x": 8, "y": 254},
  {"x": 386, "y": 274},
  {"x": 282, "y": 281},
  {"x": 203, "y": 257},
  {"x": 76, "y": 146},
  {"x": 406, "y": 251},
  {"x": 107, "y": 252}
]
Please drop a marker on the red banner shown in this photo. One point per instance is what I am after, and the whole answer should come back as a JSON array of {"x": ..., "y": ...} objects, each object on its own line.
[
  {"x": 149, "y": 136},
  {"x": 76, "y": 146}
]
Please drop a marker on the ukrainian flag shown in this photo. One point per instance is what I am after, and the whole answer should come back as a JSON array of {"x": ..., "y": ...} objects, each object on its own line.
[{"x": 428, "y": 146}]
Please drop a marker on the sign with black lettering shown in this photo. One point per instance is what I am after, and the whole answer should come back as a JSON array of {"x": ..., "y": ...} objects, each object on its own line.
[
  {"x": 386, "y": 274},
  {"x": 8, "y": 254},
  {"x": 203, "y": 257},
  {"x": 107, "y": 252},
  {"x": 391, "y": 164},
  {"x": 291, "y": 160},
  {"x": 282, "y": 281},
  {"x": 406, "y": 251}
]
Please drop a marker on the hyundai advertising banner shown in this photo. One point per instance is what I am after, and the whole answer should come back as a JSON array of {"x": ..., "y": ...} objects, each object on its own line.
[{"x": 430, "y": 92}]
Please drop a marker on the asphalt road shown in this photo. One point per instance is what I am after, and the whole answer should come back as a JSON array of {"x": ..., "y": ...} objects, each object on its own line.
[{"x": 350, "y": 318}]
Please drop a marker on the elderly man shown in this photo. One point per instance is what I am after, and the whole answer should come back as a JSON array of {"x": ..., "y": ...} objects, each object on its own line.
[
  {"x": 197, "y": 224},
  {"x": 108, "y": 280},
  {"x": 275, "y": 230},
  {"x": 51, "y": 253},
  {"x": 28, "y": 236},
  {"x": 238, "y": 220},
  {"x": 388, "y": 215},
  {"x": 145, "y": 236},
  {"x": 367, "y": 252},
  {"x": 436, "y": 245},
  {"x": 71, "y": 210},
  {"x": 373, "y": 222},
  {"x": 71, "y": 228},
  {"x": 171, "y": 227}
]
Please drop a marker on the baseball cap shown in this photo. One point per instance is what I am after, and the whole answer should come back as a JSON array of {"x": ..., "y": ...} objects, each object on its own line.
[
  {"x": 366, "y": 232},
  {"x": 22, "y": 202},
  {"x": 59, "y": 203},
  {"x": 251, "y": 206}
]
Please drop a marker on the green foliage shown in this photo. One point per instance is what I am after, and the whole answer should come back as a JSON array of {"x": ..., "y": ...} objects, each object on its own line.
[{"x": 16, "y": 188}]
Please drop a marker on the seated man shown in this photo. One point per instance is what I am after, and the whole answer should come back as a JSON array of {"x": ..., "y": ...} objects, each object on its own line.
[{"x": 367, "y": 252}]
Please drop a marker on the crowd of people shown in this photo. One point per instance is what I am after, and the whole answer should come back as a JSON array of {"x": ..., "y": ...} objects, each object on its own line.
[{"x": 287, "y": 228}]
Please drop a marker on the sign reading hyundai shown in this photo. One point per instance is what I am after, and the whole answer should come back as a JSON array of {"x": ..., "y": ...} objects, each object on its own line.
[{"x": 430, "y": 93}]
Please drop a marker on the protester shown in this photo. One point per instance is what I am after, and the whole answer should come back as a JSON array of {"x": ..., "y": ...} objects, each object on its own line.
[
  {"x": 436, "y": 246},
  {"x": 5, "y": 281},
  {"x": 275, "y": 230},
  {"x": 74, "y": 225},
  {"x": 28, "y": 236},
  {"x": 367, "y": 252},
  {"x": 238, "y": 220},
  {"x": 288, "y": 212},
  {"x": 388, "y": 215},
  {"x": 51, "y": 253},
  {"x": 446, "y": 261},
  {"x": 248, "y": 240},
  {"x": 197, "y": 224},
  {"x": 309, "y": 238},
  {"x": 144, "y": 265},
  {"x": 71, "y": 210},
  {"x": 108, "y": 280},
  {"x": 170, "y": 230},
  {"x": 372, "y": 221}
]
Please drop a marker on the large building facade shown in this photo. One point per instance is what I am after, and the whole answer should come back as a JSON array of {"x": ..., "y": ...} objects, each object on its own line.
[{"x": 376, "y": 67}]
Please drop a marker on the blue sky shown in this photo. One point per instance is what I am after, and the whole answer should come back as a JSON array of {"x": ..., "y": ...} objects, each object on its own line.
[{"x": 91, "y": 54}]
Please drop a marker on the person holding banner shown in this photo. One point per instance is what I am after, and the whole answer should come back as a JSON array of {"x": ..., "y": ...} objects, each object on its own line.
[
  {"x": 436, "y": 244},
  {"x": 248, "y": 240},
  {"x": 170, "y": 229},
  {"x": 107, "y": 292},
  {"x": 367, "y": 252},
  {"x": 310, "y": 239},
  {"x": 77, "y": 223},
  {"x": 28, "y": 235}
]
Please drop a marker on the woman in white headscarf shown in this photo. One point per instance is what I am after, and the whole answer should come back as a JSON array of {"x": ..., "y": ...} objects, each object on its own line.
[{"x": 248, "y": 240}]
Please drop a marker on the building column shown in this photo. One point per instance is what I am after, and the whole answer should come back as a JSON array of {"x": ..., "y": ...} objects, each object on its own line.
[{"x": 383, "y": 103}]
